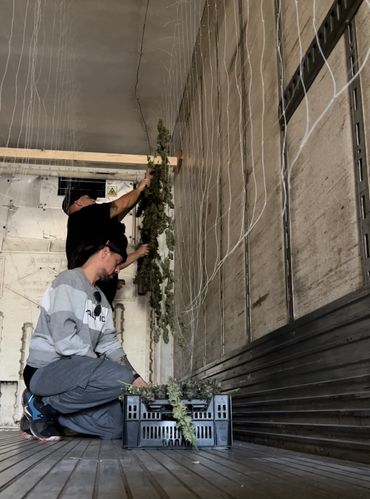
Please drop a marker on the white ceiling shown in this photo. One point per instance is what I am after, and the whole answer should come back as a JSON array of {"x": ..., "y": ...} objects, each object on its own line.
[{"x": 72, "y": 74}]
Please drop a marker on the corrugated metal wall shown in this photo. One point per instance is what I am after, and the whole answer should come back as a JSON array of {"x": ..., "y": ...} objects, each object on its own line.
[{"x": 269, "y": 261}]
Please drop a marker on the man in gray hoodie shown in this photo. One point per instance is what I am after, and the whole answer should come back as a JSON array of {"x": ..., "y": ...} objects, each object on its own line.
[{"x": 75, "y": 361}]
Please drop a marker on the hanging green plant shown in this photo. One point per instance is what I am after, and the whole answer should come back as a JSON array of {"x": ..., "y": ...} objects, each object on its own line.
[{"x": 155, "y": 275}]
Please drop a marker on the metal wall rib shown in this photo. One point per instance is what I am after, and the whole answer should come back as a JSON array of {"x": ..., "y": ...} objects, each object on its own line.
[{"x": 307, "y": 385}]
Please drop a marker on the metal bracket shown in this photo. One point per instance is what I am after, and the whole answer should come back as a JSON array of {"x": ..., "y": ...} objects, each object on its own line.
[
  {"x": 330, "y": 31},
  {"x": 285, "y": 194},
  {"x": 359, "y": 147},
  {"x": 248, "y": 307}
]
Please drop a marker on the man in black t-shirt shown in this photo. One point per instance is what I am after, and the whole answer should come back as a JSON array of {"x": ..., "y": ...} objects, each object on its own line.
[{"x": 90, "y": 223}]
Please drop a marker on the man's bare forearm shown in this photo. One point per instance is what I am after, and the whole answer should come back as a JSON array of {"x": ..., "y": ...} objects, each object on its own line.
[
  {"x": 131, "y": 258},
  {"x": 121, "y": 206},
  {"x": 142, "y": 251}
]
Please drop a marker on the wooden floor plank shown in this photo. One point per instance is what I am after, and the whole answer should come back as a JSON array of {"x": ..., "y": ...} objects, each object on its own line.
[
  {"x": 16, "y": 450},
  {"x": 56, "y": 479},
  {"x": 87, "y": 468},
  {"x": 273, "y": 474},
  {"x": 345, "y": 468},
  {"x": 199, "y": 486},
  {"x": 92, "y": 451},
  {"x": 329, "y": 473},
  {"x": 81, "y": 483},
  {"x": 193, "y": 465},
  {"x": 169, "y": 483},
  {"x": 23, "y": 483},
  {"x": 110, "y": 483},
  {"x": 231, "y": 485},
  {"x": 271, "y": 480},
  {"x": 139, "y": 484},
  {"x": 307, "y": 478},
  {"x": 110, "y": 449},
  {"x": 15, "y": 467},
  {"x": 336, "y": 470}
]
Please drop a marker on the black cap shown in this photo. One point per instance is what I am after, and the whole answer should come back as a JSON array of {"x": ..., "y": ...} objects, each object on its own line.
[
  {"x": 85, "y": 250},
  {"x": 72, "y": 196},
  {"x": 118, "y": 246}
]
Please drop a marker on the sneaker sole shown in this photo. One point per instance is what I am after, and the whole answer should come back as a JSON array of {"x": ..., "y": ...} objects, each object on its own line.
[
  {"x": 54, "y": 438},
  {"x": 26, "y": 436},
  {"x": 44, "y": 439}
]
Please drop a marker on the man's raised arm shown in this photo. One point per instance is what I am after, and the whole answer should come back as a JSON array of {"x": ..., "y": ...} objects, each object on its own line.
[{"x": 121, "y": 206}]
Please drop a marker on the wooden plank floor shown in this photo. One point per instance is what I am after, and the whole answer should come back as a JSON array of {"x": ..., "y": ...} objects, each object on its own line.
[{"x": 87, "y": 468}]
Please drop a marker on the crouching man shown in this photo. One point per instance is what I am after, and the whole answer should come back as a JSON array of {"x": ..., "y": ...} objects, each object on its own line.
[{"x": 75, "y": 361}]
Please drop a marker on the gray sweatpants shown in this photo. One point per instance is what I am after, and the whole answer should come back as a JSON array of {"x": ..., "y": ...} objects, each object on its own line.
[{"x": 85, "y": 391}]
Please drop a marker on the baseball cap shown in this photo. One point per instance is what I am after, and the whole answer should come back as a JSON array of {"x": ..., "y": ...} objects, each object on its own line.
[
  {"x": 118, "y": 246},
  {"x": 85, "y": 250}
]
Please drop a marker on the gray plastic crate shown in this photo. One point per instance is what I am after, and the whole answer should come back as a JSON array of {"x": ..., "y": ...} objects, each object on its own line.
[{"x": 152, "y": 426}]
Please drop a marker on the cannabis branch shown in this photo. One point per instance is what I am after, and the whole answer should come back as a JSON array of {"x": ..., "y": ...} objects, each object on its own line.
[{"x": 155, "y": 274}]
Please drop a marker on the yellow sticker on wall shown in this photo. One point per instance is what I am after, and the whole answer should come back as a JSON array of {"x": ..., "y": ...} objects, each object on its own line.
[{"x": 111, "y": 191}]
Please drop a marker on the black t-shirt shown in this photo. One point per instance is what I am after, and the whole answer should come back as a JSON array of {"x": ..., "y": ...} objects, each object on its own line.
[{"x": 92, "y": 225}]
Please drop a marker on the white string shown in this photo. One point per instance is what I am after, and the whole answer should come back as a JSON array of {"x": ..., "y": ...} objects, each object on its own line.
[
  {"x": 199, "y": 180},
  {"x": 259, "y": 194},
  {"x": 8, "y": 54},
  {"x": 17, "y": 74},
  {"x": 29, "y": 107}
]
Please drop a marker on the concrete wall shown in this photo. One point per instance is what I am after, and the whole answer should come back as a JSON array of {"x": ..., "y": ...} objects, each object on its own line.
[{"x": 32, "y": 232}]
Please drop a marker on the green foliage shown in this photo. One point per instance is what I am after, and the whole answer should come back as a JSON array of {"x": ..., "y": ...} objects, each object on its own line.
[
  {"x": 183, "y": 421},
  {"x": 155, "y": 274},
  {"x": 176, "y": 392}
]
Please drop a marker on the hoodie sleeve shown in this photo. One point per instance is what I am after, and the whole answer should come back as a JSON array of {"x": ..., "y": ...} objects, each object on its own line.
[{"x": 63, "y": 305}]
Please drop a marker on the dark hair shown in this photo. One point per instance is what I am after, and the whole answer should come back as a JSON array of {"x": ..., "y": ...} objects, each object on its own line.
[{"x": 72, "y": 195}]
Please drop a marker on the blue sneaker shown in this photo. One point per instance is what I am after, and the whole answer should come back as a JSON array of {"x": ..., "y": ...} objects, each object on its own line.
[
  {"x": 42, "y": 419},
  {"x": 24, "y": 425}
]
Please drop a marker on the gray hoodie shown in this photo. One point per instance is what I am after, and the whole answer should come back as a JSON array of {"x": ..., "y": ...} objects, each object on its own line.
[{"x": 67, "y": 325}]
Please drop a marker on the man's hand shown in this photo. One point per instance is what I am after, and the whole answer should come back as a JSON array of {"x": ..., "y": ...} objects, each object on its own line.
[
  {"x": 121, "y": 206},
  {"x": 139, "y": 382},
  {"x": 143, "y": 250},
  {"x": 145, "y": 182}
]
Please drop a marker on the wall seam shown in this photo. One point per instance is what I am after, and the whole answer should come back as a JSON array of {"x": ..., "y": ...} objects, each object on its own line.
[
  {"x": 359, "y": 148},
  {"x": 284, "y": 162},
  {"x": 245, "y": 173}
]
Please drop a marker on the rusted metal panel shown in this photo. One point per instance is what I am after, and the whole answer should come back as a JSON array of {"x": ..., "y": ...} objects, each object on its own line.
[
  {"x": 188, "y": 268},
  {"x": 324, "y": 228},
  {"x": 264, "y": 190},
  {"x": 232, "y": 180},
  {"x": 211, "y": 293},
  {"x": 313, "y": 59}
]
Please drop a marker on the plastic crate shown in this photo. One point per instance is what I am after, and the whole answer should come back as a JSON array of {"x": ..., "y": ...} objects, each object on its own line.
[{"x": 152, "y": 425}]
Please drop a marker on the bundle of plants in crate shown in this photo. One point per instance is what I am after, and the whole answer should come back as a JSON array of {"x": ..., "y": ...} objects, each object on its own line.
[{"x": 180, "y": 396}]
